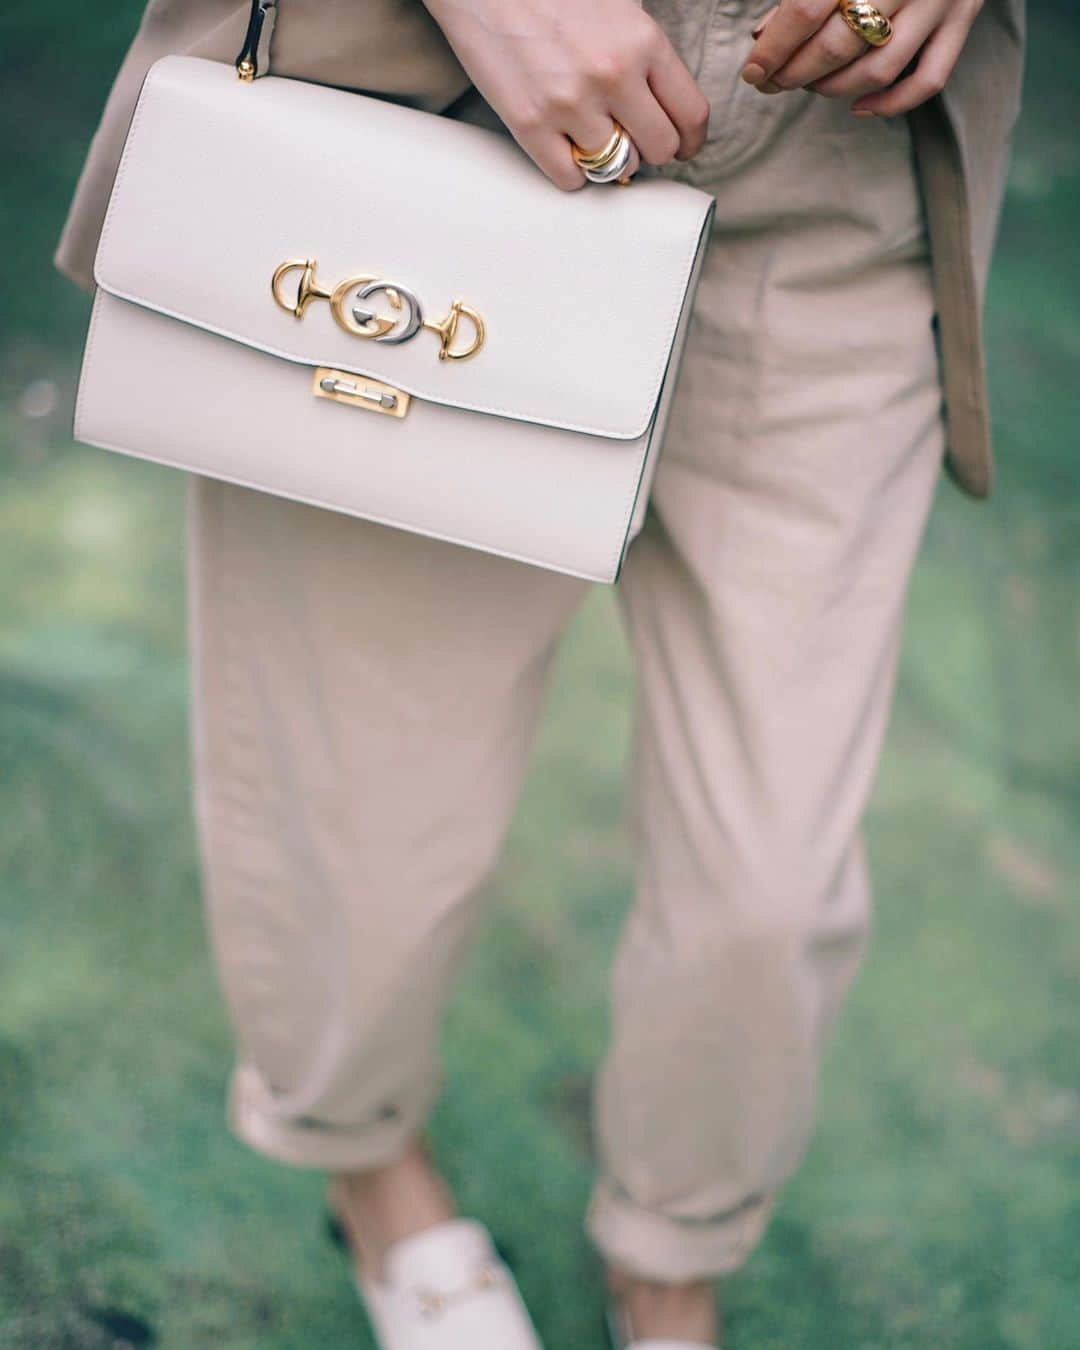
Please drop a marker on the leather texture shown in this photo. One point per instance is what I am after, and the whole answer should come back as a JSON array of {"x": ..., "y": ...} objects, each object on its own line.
[
  {"x": 540, "y": 447},
  {"x": 446, "y": 1289}
]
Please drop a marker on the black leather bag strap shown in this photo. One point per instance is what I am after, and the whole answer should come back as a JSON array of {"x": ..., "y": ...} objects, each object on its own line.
[{"x": 254, "y": 57}]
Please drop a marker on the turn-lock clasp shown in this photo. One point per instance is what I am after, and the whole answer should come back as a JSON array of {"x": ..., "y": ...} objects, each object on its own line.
[{"x": 360, "y": 392}]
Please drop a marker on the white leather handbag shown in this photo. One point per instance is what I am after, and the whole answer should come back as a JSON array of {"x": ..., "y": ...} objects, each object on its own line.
[{"x": 387, "y": 313}]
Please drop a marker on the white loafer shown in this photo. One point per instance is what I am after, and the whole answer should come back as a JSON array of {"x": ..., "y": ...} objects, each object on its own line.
[{"x": 447, "y": 1289}]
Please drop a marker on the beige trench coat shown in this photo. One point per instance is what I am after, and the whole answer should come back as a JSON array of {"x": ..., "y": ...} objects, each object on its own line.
[{"x": 393, "y": 47}]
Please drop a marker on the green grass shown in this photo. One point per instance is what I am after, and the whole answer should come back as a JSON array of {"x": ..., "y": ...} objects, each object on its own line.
[{"x": 939, "y": 1204}]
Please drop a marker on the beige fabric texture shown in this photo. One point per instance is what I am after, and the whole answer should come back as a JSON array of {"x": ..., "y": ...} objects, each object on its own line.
[
  {"x": 365, "y": 700},
  {"x": 392, "y": 47}
]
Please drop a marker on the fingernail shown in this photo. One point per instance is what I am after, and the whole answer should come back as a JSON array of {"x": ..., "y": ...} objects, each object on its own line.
[
  {"x": 769, "y": 88},
  {"x": 862, "y": 112},
  {"x": 753, "y": 73}
]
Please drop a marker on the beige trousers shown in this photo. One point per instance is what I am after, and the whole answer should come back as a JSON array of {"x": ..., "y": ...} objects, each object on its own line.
[{"x": 365, "y": 701}]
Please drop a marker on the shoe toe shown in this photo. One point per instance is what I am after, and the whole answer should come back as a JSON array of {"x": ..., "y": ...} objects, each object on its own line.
[{"x": 447, "y": 1289}]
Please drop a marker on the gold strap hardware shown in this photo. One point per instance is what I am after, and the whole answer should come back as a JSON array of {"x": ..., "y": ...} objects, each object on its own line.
[{"x": 254, "y": 57}]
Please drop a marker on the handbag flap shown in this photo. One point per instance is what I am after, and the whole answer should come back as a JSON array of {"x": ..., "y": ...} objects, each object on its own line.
[{"x": 579, "y": 294}]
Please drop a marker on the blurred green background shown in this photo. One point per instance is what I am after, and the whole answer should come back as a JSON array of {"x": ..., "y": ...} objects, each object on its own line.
[{"x": 939, "y": 1205}]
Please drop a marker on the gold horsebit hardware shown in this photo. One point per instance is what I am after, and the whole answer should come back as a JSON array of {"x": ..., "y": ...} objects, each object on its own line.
[
  {"x": 433, "y": 1303},
  {"x": 356, "y": 318}
]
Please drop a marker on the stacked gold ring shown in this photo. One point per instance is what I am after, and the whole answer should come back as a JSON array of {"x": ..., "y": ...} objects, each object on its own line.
[
  {"x": 597, "y": 159},
  {"x": 609, "y": 162},
  {"x": 867, "y": 21}
]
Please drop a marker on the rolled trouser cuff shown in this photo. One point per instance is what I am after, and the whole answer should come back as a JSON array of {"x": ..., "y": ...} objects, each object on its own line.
[
  {"x": 674, "y": 1250},
  {"x": 305, "y": 1142}
]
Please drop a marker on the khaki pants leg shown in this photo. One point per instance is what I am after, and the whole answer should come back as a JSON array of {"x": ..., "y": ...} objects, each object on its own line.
[
  {"x": 363, "y": 704},
  {"x": 763, "y": 602}
]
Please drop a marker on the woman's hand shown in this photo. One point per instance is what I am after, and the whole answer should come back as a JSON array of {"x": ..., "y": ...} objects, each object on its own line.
[
  {"x": 562, "y": 70},
  {"x": 805, "y": 44}
]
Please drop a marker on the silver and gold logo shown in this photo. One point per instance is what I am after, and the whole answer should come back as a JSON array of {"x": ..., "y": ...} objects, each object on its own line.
[{"x": 354, "y": 305}]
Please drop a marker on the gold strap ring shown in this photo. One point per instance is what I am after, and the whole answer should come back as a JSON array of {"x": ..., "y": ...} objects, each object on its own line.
[{"x": 867, "y": 20}]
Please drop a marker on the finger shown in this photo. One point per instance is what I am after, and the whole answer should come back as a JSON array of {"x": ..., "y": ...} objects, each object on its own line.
[
  {"x": 833, "y": 47},
  {"x": 759, "y": 27},
  {"x": 791, "y": 25},
  {"x": 648, "y": 125},
  {"x": 880, "y": 67},
  {"x": 680, "y": 98},
  {"x": 930, "y": 76},
  {"x": 550, "y": 151},
  {"x": 589, "y": 129}
]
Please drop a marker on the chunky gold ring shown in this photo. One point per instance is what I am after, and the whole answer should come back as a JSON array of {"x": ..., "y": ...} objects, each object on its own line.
[
  {"x": 615, "y": 169},
  {"x": 867, "y": 21},
  {"x": 598, "y": 159}
]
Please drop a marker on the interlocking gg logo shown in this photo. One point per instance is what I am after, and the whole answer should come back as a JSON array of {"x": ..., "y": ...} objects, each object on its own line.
[{"x": 352, "y": 303}]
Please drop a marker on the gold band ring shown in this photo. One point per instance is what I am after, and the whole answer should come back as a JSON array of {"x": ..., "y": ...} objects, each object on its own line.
[
  {"x": 598, "y": 159},
  {"x": 867, "y": 21}
]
